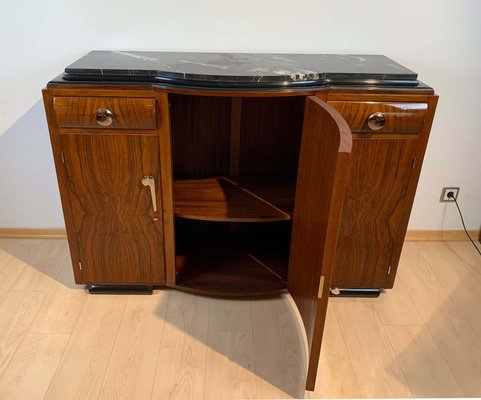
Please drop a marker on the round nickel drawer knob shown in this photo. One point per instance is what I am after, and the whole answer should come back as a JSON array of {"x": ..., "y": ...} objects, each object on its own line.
[
  {"x": 376, "y": 121},
  {"x": 104, "y": 117}
]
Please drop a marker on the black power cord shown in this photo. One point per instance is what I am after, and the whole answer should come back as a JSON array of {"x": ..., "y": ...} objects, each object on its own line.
[{"x": 450, "y": 195}]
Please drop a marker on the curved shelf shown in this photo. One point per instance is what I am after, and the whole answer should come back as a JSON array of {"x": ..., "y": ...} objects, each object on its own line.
[
  {"x": 232, "y": 263},
  {"x": 234, "y": 199}
]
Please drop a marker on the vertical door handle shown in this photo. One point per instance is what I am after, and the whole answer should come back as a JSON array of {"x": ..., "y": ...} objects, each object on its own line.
[{"x": 150, "y": 182}]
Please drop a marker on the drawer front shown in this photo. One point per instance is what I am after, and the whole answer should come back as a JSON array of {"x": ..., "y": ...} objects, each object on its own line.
[
  {"x": 378, "y": 117},
  {"x": 105, "y": 112}
]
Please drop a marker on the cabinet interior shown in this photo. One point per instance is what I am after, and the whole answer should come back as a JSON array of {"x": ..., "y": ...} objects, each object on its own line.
[{"x": 235, "y": 165}]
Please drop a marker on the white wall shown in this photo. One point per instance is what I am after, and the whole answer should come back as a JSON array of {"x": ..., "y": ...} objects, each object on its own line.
[{"x": 441, "y": 40}]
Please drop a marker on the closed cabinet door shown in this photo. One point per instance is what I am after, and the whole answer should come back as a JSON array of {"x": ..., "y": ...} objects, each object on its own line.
[
  {"x": 115, "y": 199},
  {"x": 375, "y": 213},
  {"x": 321, "y": 182}
]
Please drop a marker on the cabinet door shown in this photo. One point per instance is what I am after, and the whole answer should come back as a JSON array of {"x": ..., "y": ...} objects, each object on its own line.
[
  {"x": 375, "y": 212},
  {"x": 119, "y": 236},
  {"x": 321, "y": 181}
]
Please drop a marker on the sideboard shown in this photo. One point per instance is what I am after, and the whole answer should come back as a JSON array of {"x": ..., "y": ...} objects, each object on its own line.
[{"x": 238, "y": 174}]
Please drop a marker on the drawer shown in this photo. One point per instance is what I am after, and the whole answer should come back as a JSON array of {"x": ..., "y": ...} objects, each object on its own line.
[
  {"x": 379, "y": 117},
  {"x": 105, "y": 112}
]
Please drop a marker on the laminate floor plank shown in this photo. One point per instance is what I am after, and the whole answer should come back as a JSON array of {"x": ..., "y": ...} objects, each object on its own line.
[
  {"x": 424, "y": 367},
  {"x": 230, "y": 366},
  {"x": 279, "y": 349},
  {"x": 335, "y": 376},
  {"x": 181, "y": 366},
  {"x": 467, "y": 253},
  {"x": 230, "y": 315},
  {"x": 32, "y": 367},
  {"x": 456, "y": 340},
  {"x": 131, "y": 370},
  {"x": 394, "y": 307},
  {"x": 378, "y": 372},
  {"x": 83, "y": 365},
  {"x": 17, "y": 311},
  {"x": 43, "y": 267},
  {"x": 14, "y": 254},
  {"x": 421, "y": 339},
  {"x": 63, "y": 305},
  {"x": 459, "y": 278}
]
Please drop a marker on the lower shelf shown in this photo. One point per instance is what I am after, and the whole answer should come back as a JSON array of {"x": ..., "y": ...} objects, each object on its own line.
[{"x": 231, "y": 264}]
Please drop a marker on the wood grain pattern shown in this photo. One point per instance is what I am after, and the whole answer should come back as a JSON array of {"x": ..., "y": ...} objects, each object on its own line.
[
  {"x": 128, "y": 113},
  {"x": 423, "y": 365},
  {"x": 17, "y": 311},
  {"x": 445, "y": 337},
  {"x": 43, "y": 267},
  {"x": 33, "y": 233},
  {"x": 374, "y": 207},
  {"x": 396, "y": 299},
  {"x": 200, "y": 130},
  {"x": 460, "y": 280},
  {"x": 379, "y": 373},
  {"x": 270, "y": 136},
  {"x": 131, "y": 370},
  {"x": 386, "y": 206},
  {"x": 32, "y": 367},
  {"x": 118, "y": 239},
  {"x": 223, "y": 199},
  {"x": 230, "y": 366},
  {"x": 61, "y": 309},
  {"x": 232, "y": 263},
  {"x": 457, "y": 342},
  {"x": 82, "y": 367},
  {"x": 13, "y": 257},
  {"x": 318, "y": 204},
  {"x": 181, "y": 366},
  {"x": 335, "y": 377},
  {"x": 235, "y": 135},
  {"x": 280, "y": 356},
  {"x": 440, "y": 235},
  {"x": 228, "y": 315},
  {"x": 166, "y": 178},
  {"x": 400, "y": 117}
]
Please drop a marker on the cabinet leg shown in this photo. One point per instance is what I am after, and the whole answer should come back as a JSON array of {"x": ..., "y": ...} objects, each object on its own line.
[
  {"x": 353, "y": 292},
  {"x": 120, "y": 289}
]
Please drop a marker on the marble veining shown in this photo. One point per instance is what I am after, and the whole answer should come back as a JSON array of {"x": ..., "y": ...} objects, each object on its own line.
[{"x": 239, "y": 69}]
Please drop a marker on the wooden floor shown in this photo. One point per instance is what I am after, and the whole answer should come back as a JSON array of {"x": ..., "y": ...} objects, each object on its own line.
[{"x": 421, "y": 339}]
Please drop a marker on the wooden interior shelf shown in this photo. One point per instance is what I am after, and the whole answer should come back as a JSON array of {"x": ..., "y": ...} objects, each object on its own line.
[
  {"x": 234, "y": 263},
  {"x": 234, "y": 199}
]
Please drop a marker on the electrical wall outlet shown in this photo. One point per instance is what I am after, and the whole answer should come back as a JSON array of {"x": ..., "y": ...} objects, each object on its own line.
[{"x": 444, "y": 194}]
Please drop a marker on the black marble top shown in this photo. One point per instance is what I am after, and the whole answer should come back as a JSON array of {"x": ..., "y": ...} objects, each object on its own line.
[{"x": 239, "y": 70}]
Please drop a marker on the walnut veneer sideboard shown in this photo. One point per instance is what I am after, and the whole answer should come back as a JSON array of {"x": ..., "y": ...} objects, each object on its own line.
[{"x": 238, "y": 174}]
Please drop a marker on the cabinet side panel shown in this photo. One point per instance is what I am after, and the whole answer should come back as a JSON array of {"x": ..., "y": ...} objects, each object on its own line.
[
  {"x": 62, "y": 183},
  {"x": 165, "y": 144}
]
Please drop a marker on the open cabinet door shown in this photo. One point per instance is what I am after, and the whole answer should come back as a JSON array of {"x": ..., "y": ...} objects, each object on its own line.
[{"x": 321, "y": 182}]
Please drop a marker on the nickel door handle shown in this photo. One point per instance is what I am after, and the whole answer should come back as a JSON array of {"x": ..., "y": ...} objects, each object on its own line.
[{"x": 150, "y": 182}]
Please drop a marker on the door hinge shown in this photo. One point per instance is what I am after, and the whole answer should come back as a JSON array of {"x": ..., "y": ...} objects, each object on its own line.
[
  {"x": 321, "y": 287},
  {"x": 389, "y": 270},
  {"x": 80, "y": 265},
  {"x": 63, "y": 157},
  {"x": 414, "y": 163}
]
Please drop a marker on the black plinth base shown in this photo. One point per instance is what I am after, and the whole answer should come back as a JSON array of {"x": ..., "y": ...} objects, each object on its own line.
[
  {"x": 120, "y": 289},
  {"x": 371, "y": 292}
]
